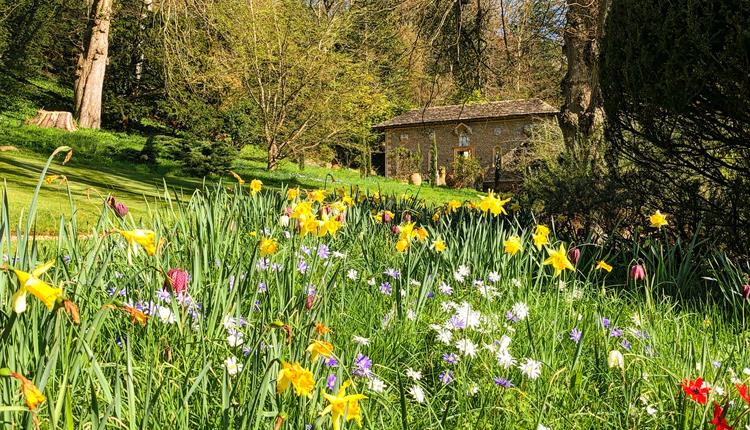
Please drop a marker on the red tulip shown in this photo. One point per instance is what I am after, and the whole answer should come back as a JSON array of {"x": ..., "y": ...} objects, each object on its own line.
[
  {"x": 638, "y": 272},
  {"x": 407, "y": 217},
  {"x": 746, "y": 291}
]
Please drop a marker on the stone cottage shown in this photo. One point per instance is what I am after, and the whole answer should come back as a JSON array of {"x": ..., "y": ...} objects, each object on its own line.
[{"x": 491, "y": 132}]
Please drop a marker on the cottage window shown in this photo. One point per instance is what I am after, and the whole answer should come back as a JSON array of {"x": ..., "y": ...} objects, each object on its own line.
[
  {"x": 462, "y": 152},
  {"x": 464, "y": 140}
]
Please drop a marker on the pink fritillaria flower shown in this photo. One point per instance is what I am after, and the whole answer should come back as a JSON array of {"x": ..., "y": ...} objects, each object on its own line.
[
  {"x": 574, "y": 255},
  {"x": 178, "y": 280},
  {"x": 638, "y": 272}
]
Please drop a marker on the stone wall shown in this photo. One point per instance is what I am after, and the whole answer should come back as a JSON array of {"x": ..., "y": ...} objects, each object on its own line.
[{"x": 486, "y": 138}]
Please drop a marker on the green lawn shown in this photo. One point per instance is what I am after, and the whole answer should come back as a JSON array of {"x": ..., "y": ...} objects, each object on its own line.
[{"x": 103, "y": 163}]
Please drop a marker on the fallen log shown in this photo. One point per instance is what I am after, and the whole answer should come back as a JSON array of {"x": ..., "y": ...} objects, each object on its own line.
[{"x": 53, "y": 119}]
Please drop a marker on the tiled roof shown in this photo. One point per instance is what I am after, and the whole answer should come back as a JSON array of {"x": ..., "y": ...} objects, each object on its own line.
[{"x": 453, "y": 113}]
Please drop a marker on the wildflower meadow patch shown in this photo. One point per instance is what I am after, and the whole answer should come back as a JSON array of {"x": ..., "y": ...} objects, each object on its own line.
[{"x": 246, "y": 308}]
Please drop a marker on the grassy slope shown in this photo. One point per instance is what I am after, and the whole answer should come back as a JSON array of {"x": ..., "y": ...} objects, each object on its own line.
[{"x": 98, "y": 167}]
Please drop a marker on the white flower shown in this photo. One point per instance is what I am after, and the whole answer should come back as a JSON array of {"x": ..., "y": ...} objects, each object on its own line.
[
  {"x": 413, "y": 374},
  {"x": 376, "y": 385},
  {"x": 466, "y": 347},
  {"x": 233, "y": 366},
  {"x": 417, "y": 392},
  {"x": 445, "y": 289},
  {"x": 445, "y": 336},
  {"x": 541, "y": 427},
  {"x": 361, "y": 340},
  {"x": 411, "y": 315},
  {"x": 371, "y": 282},
  {"x": 352, "y": 274},
  {"x": 461, "y": 274},
  {"x": 615, "y": 359},
  {"x": 651, "y": 410},
  {"x": 447, "y": 306},
  {"x": 471, "y": 317},
  {"x": 531, "y": 368},
  {"x": 504, "y": 343},
  {"x": 636, "y": 319},
  {"x": 493, "y": 277},
  {"x": 284, "y": 220},
  {"x": 746, "y": 371},
  {"x": 516, "y": 282},
  {"x": 473, "y": 389},
  {"x": 487, "y": 291},
  {"x": 337, "y": 254},
  {"x": 719, "y": 390},
  {"x": 235, "y": 339},
  {"x": 166, "y": 315},
  {"x": 229, "y": 322},
  {"x": 520, "y": 310},
  {"x": 505, "y": 360},
  {"x": 414, "y": 282}
]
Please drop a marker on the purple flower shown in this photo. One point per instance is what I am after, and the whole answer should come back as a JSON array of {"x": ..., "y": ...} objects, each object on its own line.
[
  {"x": 305, "y": 250},
  {"x": 716, "y": 363},
  {"x": 450, "y": 358},
  {"x": 575, "y": 335},
  {"x": 262, "y": 264},
  {"x": 164, "y": 295},
  {"x": 457, "y": 322},
  {"x": 256, "y": 306},
  {"x": 362, "y": 366},
  {"x": 67, "y": 259},
  {"x": 323, "y": 251},
  {"x": 112, "y": 292},
  {"x": 177, "y": 280},
  {"x": 276, "y": 267},
  {"x": 446, "y": 376},
  {"x": 616, "y": 332},
  {"x": 502, "y": 382},
  {"x": 393, "y": 273},
  {"x": 641, "y": 334},
  {"x": 331, "y": 362},
  {"x": 302, "y": 266},
  {"x": 626, "y": 344},
  {"x": 605, "y": 322},
  {"x": 331, "y": 382},
  {"x": 262, "y": 288},
  {"x": 386, "y": 288},
  {"x": 246, "y": 351},
  {"x": 511, "y": 317},
  {"x": 430, "y": 295}
]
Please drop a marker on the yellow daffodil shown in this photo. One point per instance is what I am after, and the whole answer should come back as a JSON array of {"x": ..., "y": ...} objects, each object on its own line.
[
  {"x": 493, "y": 204},
  {"x": 384, "y": 216},
  {"x": 255, "y": 186},
  {"x": 512, "y": 245},
  {"x": 309, "y": 226},
  {"x": 436, "y": 216},
  {"x": 30, "y": 283},
  {"x": 321, "y": 328},
  {"x": 421, "y": 233},
  {"x": 302, "y": 210},
  {"x": 438, "y": 245},
  {"x": 30, "y": 392},
  {"x": 137, "y": 316},
  {"x": 453, "y": 206},
  {"x": 292, "y": 193},
  {"x": 559, "y": 260},
  {"x": 658, "y": 220},
  {"x": 328, "y": 225},
  {"x": 144, "y": 238},
  {"x": 344, "y": 406},
  {"x": 268, "y": 246},
  {"x": 238, "y": 178},
  {"x": 299, "y": 377},
  {"x": 402, "y": 245},
  {"x": 320, "y": 348},
  {"x": 316, "y": 195},
  {"x": 50, "y": 179},
  {"x": 347, "y": 200},
  {"x": 541, "y": 236},
  {"x": 602, "y": 265}
]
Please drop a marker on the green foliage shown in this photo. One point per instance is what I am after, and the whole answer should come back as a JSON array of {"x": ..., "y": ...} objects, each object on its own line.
[
  {"x": 201, "y": 157},
  {"x": 675, "y": 87},
  {"x": 175, "y": 371}
]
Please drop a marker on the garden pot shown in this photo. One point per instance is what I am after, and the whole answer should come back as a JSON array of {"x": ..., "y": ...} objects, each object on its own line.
[{"x": 415, "y": 179}]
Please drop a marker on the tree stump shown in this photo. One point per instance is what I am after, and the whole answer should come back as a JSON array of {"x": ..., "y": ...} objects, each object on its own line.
[{"x": 53, "y": 119}]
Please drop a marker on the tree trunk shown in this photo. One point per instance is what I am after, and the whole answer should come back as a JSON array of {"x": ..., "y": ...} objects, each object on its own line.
[
  {"x": 273, "y": 156},
  {"x": 582, "y": 113},
  {"x": 51, "y": 119},
  {"x": 92, "y": 64}
]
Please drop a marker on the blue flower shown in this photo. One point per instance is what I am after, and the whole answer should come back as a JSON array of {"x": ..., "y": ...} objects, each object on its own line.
[
  {"x": 393, "y": 273},
  {"x": 450, "y": 358},
  {"x": 362, "y": 366},
  {"x": 323, "y": 251},
  {"x": 626, "y": 344},
  {"x": 386, "y": 288},
  {"x": 605, "y": 322},
  {"x": 331, "y": 382},
  {"x": 616, "y": 332},
  {"x": 446, "y": 376}
]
